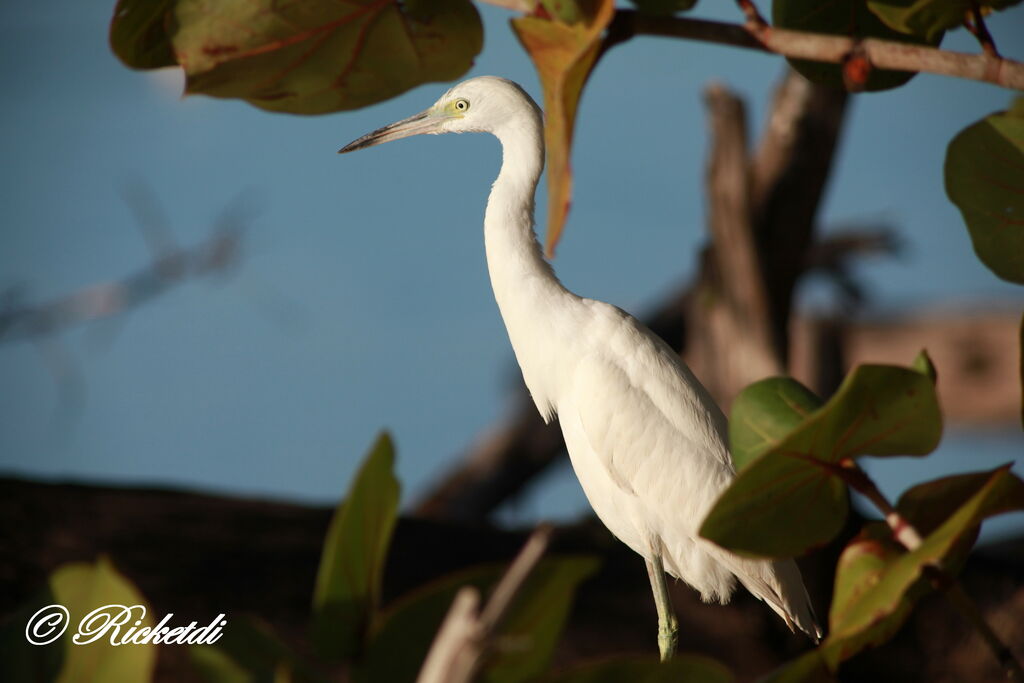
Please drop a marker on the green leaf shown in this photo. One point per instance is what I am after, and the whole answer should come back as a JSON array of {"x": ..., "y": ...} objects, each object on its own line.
[
  {"x": 535, "y": 621},
  {"x": 923, "y": 364},
  {"x": 531, "y": 627},
  {"x": 22, "y": 661},
  {"x": 985, "y": 179},
  {"x": 409, "y": 625},
  {"x": 634, "y": 669},
  {"x": 310, "y": 57},
  {"x": 348, "y": 582},
  {"x": 564, "y": 55},
  {"x": 82, "y": 588},
  {"x": 249, "y": 652},
  {"x": 845, "y": 18},
  {"x": 790, "y": 496},
  {"x": 764, "y": 413},
  {"x": 140, "y": 33},
  {"x": 928, "y": 18},
  {"x": 807, "y": 668},
  {"x": 663, "y": 8},
  {"x": 876, "y": 584}
]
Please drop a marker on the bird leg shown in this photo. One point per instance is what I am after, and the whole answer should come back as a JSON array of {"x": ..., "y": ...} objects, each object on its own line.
[{"x": 668, "y": 626}]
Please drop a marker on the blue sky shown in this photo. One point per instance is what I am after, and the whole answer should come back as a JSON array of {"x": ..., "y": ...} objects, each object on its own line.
[{"x": 363, "y": 301}]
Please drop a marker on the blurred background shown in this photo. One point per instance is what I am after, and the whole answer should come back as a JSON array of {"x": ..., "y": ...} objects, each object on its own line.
[{"x": 355, "y": 295}]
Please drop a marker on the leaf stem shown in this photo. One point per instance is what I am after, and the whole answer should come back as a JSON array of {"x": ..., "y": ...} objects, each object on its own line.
[
  {"x": 908, "y": 536},
  {"x": 882, "y": 54},
  {"x": 975, "y": 23}
]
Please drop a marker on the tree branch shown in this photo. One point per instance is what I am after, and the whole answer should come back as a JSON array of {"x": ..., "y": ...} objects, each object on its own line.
[{"x": 882, "y": 54}]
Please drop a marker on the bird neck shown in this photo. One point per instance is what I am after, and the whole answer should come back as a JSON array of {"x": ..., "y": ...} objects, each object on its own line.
[{"x": 529, "y": 296}]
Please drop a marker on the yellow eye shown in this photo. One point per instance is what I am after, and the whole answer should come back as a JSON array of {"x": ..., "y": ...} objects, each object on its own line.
[{"x": 461, "y": 105}]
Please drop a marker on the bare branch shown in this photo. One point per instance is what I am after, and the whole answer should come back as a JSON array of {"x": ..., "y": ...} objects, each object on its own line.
[{"x": 882, "y": 54}]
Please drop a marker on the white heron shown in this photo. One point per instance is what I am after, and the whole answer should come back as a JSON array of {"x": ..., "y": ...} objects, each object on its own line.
[{"x": 647, "y": 441}]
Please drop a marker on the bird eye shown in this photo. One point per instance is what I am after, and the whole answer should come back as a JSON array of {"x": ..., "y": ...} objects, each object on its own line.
[{"x": 461, "y": 105}]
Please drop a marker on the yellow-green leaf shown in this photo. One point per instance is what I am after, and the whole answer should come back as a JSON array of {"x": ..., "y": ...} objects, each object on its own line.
[
  {"x": 564, "y": 54},
  {"x": 82, "y": 588}
]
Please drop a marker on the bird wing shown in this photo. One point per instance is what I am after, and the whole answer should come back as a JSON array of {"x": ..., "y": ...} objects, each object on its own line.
[{"x": 648, "y": 420}]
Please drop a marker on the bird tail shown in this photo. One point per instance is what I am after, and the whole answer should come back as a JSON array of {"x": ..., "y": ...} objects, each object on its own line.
[{"x": 778, "y": 583}]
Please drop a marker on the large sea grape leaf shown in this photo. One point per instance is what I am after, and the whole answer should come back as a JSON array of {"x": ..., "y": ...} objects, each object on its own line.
[
  {"x": 564, "y": 54},
  {"x": 348, "y": 582},
  {"x": 788, "y": 495},
  {"x": 928, "y": 18},
  {"x": 309, "y": 57},
  {"x": 850, "y": 18},
  {"x": 985, "y": 179}
]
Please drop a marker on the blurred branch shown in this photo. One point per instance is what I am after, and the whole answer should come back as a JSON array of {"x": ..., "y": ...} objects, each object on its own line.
[
  {"x": 467, "y": 633},
  {"x": 171, "y": 266}
]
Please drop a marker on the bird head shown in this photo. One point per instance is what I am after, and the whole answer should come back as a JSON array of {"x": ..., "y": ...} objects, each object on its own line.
[{"x": 485, "y": 104}]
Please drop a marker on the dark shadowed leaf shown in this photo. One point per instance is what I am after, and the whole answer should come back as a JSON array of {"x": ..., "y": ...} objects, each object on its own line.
[
  {"x": 309, "y": 57},
  {"x": 564, "y": 53},
  {"x": 807, "y": 668},
  {"x": 850, "y": 18},
  {"x": 409, "y": 625},
  {"x": 985, "y": 179},
  {"x": 352, "y": 563},
  {"x": 140, "y": 33},
  {"x": 789, "y": 497},
  {"x": 764, "y": 413},
  {"x": 663, "y": 7},
  {"x": 22, "y": 662},
  {"x": 82, "y": 588},
  {"x": 249, "y": 652},
  {"x": 928, "y": 18},
  {"x": 534, "y": 624},
  {"x": 682, "y": 667},
  {"x": 530, "y": 631}
]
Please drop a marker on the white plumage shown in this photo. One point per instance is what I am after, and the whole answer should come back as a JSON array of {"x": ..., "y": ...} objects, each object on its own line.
[{"x": 646, "y": 440}]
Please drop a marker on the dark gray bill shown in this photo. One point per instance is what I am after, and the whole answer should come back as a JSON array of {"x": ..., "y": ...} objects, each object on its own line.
[{"x": 414, "y": 125}]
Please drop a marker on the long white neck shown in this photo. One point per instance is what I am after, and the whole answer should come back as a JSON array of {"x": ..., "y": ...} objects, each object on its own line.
[{"x": 531, "y": 299}]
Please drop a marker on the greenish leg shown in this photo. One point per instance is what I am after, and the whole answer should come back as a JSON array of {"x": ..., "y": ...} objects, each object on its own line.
[{"x": 668, "y": 626}]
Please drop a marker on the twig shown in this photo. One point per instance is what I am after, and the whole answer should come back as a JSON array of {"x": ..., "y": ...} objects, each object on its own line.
[
  {"x": 908, "y": 536},
  {"x": 754, "y": 18},
  {"x": 975, "y": 23},
  {"x": 882, "y": 54},
  {"x": 467, "y": 633}
]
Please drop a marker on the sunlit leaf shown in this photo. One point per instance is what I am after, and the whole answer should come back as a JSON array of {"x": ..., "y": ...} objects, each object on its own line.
[
  {"x": 788, "y": 496},
  {"x": 985, "y": 179},
  {"x": 348, "y": 582},
  {"x": 923, "y": 364},
  {"x": 764, "y": 413},
  {"x": 928, "y": 18},
  {"x": 634, "y": 669},
  {"x": 845, "y": 18},
  {"x": 82, "y": 588},
  {"x": 309, "y": 57},
  {"x": 564, "y": 54}
]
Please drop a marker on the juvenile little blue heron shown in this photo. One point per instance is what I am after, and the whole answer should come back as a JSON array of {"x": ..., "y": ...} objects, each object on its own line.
[{"x": 647, "y": 441}]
